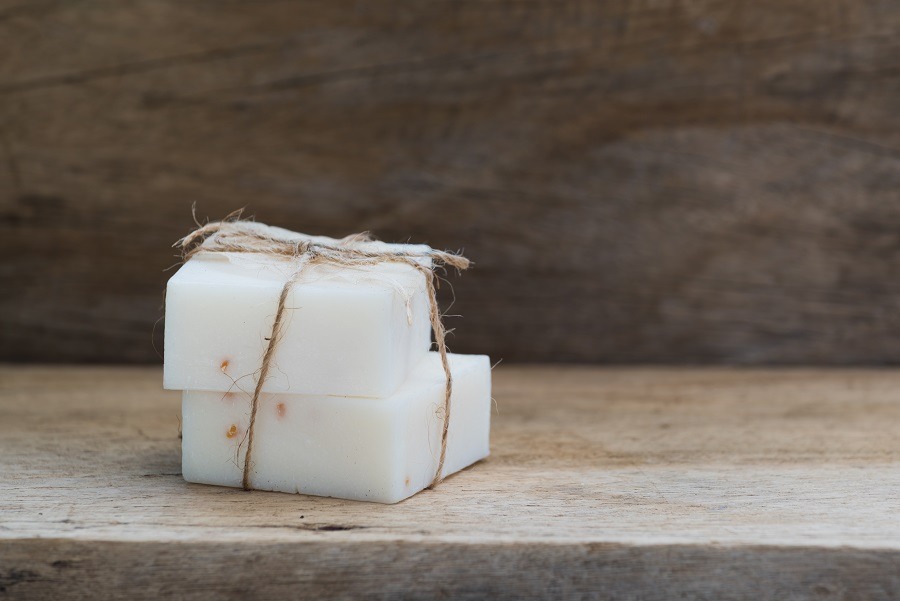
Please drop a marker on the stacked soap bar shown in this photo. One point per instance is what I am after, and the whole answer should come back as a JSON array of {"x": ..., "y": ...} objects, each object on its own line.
[
  {"x": 347, "y": 332},
  {"x": 350, "y": 447},
  {"x": 352, "y": 405}
]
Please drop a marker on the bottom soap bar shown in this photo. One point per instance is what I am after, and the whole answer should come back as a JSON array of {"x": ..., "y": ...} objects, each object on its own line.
[{"x": 365, "y": 449}]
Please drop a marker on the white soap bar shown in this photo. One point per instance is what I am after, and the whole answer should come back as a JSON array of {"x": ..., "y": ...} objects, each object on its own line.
[
  {"x": 382, "y": 450},
  {"x": 347, "y": 331}
]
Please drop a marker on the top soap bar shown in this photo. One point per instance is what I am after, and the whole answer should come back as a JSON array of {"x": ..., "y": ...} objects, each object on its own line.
[{"x": 347, "y": 331}]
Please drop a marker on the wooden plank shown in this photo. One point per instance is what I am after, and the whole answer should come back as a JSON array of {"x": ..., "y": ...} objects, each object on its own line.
[
  {"x": 703, "y": 181},
  {"x": 602, "y": 483}
]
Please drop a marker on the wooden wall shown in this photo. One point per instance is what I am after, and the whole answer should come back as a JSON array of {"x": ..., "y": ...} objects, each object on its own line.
[{"x": 637, "y": 181}]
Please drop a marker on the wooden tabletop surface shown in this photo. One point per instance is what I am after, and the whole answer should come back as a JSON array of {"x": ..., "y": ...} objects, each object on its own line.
[{"x": 602, "y": 483}]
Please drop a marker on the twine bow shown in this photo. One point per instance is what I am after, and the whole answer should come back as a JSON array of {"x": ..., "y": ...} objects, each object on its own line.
[{"x": 234, "y": 235}]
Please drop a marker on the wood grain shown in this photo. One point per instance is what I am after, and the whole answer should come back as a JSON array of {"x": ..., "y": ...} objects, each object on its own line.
[
  {"x": 602, "y": 483},
  {"x": 676, "y": 181}
]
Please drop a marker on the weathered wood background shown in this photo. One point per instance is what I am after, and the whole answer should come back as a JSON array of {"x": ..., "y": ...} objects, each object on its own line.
[{"x": 673, "y": 181}]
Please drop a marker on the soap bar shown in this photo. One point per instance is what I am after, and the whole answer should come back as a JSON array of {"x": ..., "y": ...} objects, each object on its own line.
[
  {"x": 347, "y": 331},
  {"x": 362, "y": 449}
]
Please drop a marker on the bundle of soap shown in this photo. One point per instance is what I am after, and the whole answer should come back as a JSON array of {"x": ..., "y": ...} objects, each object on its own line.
[{"x": 305, "y": 366}]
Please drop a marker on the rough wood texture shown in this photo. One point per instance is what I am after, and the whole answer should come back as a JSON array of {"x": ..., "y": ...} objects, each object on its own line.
[
  {"x": 607, "y": 484},
  {"x": 710, "y": 180}
]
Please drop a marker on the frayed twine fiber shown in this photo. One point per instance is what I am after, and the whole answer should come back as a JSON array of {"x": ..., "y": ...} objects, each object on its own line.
[{"x": 235, "y": 235}]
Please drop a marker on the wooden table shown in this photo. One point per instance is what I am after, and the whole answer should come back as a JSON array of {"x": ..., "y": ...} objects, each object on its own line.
[{"x": 603, "y": 483}]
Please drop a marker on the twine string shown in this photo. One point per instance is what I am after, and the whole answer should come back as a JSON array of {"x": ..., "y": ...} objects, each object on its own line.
[{"x": 234, "y": 235}]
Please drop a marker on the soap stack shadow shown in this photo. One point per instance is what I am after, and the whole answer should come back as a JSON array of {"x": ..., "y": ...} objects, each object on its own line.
[{"x": 353, "y": 403}]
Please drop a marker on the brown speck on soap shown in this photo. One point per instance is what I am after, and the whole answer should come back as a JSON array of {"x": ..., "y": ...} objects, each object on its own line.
[
  {"x": 407, "y": 480},
  {"x": 232, "y": 431},
  {"x": 224, "y": 366},
  {"x": 280, "y": 410}
]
